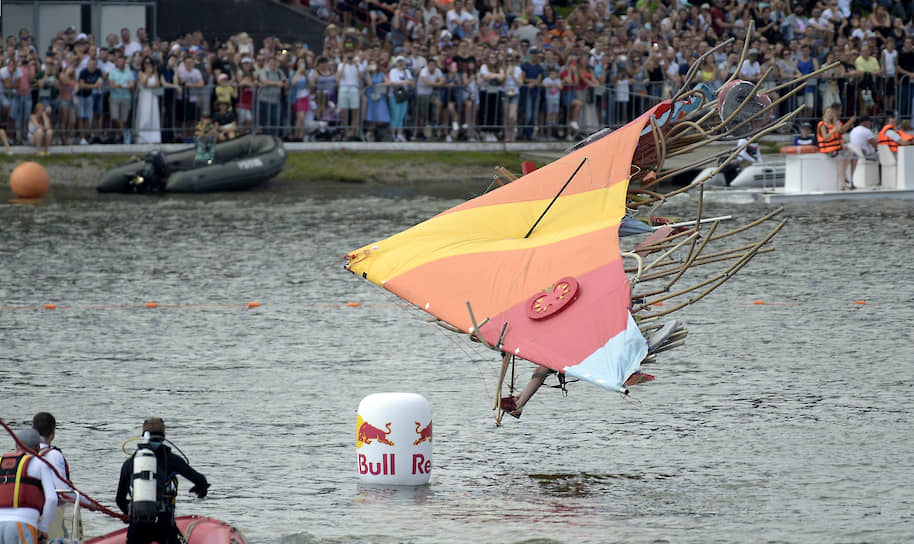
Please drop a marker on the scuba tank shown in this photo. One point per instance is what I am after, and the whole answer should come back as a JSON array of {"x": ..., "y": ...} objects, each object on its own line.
[{"x": 143, "y": 492}]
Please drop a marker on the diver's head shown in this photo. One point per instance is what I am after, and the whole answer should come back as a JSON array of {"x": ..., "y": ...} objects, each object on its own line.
[{"x": 155, "y": 426}]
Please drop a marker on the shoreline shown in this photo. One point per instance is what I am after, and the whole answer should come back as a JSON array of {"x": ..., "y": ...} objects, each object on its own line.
[
  {"x": 399, "y": 164},
  {"x": 406, "y": 164}
]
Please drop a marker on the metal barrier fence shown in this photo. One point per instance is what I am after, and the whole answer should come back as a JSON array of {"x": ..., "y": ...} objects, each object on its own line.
[{"x": 378, "y": 113}]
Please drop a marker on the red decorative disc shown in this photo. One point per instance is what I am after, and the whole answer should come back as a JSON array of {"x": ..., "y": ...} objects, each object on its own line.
[{"x": 549, "y": 303}]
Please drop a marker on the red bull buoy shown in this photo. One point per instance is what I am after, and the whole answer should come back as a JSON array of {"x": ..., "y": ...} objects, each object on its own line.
[
  {"x": 394, "y": 439},
  {"x": 29, "y": 180}
]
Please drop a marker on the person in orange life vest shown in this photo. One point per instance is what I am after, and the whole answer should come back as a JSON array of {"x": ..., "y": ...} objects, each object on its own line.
[
  {"x": 891, "y": 134},
  {"x": 830, "y": 139},
  {"x": 61, "y": 522},
  {"x": 26, "y": 492},
  {"x": 904, "y": 129},
  {"x": 158, "y": 526}
]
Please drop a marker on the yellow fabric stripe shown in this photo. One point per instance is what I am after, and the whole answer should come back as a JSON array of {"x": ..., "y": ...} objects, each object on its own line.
[
  {"x": 22, "y": 464},
  {"x": 492, "y": 229}
]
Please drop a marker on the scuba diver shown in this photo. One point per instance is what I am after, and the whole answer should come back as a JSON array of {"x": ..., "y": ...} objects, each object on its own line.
[
  {"x": 154, "y": 174},
  {"x": 148, "y": 487}
]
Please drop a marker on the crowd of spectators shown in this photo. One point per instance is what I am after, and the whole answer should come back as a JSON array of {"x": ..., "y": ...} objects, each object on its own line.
[{"x": 451, "y": 70}]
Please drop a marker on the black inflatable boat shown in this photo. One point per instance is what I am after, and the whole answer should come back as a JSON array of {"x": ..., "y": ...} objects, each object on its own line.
[{"x": 236, "y": 164}]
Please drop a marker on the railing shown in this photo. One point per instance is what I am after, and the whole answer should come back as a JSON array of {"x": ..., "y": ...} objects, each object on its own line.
[{"x": 446, "y": 113}]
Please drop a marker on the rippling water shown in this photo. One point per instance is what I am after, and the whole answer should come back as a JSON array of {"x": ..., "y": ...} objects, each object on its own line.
[{"x": 784, "y": 422}]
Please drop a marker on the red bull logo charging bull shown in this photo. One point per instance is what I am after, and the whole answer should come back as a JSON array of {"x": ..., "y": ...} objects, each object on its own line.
[{"x": 393, "y": 439}]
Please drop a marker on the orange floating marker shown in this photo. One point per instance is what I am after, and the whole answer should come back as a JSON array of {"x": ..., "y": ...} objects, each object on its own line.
[
  {"x": 352, "y": 304},
  {"x": 859, "y": 302},
  {"x": 29, "y": 180},
  {"x": 50, "y": 306},
  {"x": 253, "y": 304},
  {"x": 758, "y": 302},
  {"x": 152, "y": 305},
  {"x": 658, "y": 303}
]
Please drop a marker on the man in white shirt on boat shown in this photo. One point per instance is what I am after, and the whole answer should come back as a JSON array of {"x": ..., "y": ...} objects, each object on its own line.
[
  {"x": 61, "y": 522},
  {"x": 749, "y": 153},
  {"x": 36, "y": 495},
  {"x": 862, "y": 138}
]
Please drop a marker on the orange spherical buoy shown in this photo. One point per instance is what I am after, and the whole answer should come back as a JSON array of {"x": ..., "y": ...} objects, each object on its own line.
[
  {"x": 253, "y": 304},
  {"x": 50, "y": 306},
  {"x": 152, "y": 304},
  {"x": 352, "y": 304},
  {"x": 29, "y": 180}
]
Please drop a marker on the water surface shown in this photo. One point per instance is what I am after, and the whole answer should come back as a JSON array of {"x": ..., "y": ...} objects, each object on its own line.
[{"x": 783, "y": 422}]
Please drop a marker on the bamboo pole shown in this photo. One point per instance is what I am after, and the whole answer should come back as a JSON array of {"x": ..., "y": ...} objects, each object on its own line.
[
  {"x": 698, "y": 262},
  {"x": 692, "y": 256},
  {"x": 715, "y": 281}
]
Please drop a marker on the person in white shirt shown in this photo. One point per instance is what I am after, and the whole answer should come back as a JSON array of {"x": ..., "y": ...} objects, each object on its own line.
[
  {"x": 750, "y": 69},
  {"x": 130, "y": 47},
  {"x": 458, "y": 15},
  {"x": 34, "y": 490},
  {"x": 428, "y": 100},
  {"x": 863, "y": 138},
  {"x": 750, "y": 153},
  {"x": 60, "y": 523},
  {"x": 348, "y": 99}
]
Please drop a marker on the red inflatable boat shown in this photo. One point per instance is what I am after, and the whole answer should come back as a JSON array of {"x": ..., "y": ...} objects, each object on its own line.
[{"x": 196, "y": 529}]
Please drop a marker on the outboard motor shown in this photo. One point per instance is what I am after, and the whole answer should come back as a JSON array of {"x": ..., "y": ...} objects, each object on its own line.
[{"x": 143, "y": 492}]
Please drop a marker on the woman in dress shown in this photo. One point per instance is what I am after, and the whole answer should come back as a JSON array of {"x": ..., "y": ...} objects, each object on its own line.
[
  {"x": 377, "y": 114},
  {"x": 148, "y": 112}
]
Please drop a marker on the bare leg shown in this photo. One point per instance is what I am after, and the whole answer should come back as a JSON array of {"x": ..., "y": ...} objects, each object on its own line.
[{"x": 536, "y": 381}]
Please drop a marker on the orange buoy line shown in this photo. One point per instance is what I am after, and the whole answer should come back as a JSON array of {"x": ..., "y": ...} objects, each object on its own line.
[
  {"x": 52, "y": 306},
  {"x": 154, "y": 305}
]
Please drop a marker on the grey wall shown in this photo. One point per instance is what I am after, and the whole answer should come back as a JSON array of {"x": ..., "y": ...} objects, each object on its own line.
[{"x": 218, "y": 19}]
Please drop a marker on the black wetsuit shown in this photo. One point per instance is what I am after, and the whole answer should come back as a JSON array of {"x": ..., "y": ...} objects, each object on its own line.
[{"x": 163, "y": 530}]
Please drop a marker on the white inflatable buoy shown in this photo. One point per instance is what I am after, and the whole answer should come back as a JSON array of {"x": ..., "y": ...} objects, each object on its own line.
[{"x": 394, "y": 439}]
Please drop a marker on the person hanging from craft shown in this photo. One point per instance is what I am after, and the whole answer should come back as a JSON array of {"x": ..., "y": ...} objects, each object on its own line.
[{"x": 150, "y": 504}]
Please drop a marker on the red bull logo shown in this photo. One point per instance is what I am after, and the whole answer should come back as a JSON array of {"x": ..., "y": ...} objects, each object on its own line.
[
  {"x": 424, "y": 434},
  {"x": 366, "y": 432}
]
